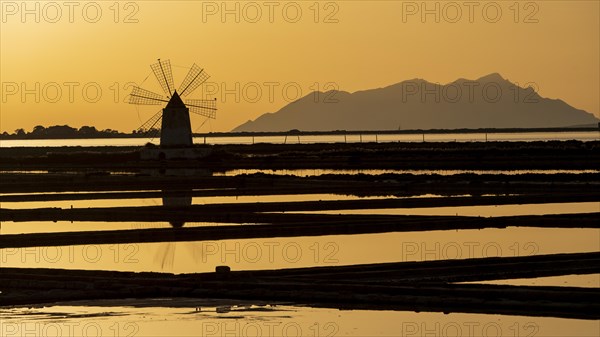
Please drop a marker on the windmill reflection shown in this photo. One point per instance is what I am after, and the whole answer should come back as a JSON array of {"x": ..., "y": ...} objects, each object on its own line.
[{"x": 177, "y": 199}]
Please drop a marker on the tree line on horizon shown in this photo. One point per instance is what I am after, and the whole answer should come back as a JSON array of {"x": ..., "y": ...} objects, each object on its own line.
[{"x": 65, "y": 131}]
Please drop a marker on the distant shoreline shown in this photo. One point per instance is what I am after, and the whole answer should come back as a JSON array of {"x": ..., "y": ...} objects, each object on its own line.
[
  {"x": 319, "y": 133},
  {"x": 393, "y": 132}
]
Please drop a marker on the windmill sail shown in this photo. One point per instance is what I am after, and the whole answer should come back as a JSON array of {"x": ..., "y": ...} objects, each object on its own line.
[
  {"x": 148, "y": 128},
  {"x": 194, "y": 78},
  {"x": 164, "y": 75},
  {"x": 203, "y": 107},
  {"x": 145, "y": 97},
  {"x": 173, "y": 121}
]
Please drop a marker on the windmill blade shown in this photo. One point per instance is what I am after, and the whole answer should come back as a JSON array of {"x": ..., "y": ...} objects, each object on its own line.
[
  {"x": 194, "y": 78},
  {"x": 148, "y": 128},
  {"x": 164, "y": 75},
  {"x": 203, "y": 107},
  {"x": 145, "y": 97}
]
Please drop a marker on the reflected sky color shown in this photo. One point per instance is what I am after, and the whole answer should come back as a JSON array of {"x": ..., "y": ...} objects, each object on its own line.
[
  {"x": 450, "y": 137},
  {"x": 239, "y": 318},
  {"x": 195, "y": 201},
  {"x": 333, "y": 250}
]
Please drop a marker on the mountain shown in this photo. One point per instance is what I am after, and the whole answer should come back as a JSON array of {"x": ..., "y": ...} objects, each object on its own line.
[{"x": 488, "y": 102}]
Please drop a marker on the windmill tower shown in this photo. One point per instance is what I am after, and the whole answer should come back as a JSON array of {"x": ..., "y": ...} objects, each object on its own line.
[{"x": 176, "y": 128}]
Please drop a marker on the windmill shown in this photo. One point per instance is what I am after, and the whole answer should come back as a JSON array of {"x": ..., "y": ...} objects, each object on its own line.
[{"x": 176, "y": 129}]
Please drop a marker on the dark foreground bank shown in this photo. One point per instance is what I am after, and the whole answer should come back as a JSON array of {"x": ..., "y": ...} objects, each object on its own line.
[{"x": 477, "y": 155}]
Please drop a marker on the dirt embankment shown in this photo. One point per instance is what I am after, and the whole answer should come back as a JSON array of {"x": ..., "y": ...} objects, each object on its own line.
[
  {"x": 416, "y": 286},
  {"x": 477, "y": 155}
]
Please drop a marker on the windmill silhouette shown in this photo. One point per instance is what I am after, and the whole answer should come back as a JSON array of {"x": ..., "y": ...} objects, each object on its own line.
[{"x": 176, "y": 129}]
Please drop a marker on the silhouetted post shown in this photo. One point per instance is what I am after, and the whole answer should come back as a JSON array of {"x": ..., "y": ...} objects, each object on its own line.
[
  {"x": 345, "y": 141},
  {"x": 486, "y": 136},
  {"x": 204, "y": 140},
  {"x": 285, "y": 139},
  {"x": 298, "y": 139},
  {"x": 360, "y": 137},
  {"x": 423, "y": 138},
  {"x": 376, "y": 140},
  {"x": 252, "y": 139}
]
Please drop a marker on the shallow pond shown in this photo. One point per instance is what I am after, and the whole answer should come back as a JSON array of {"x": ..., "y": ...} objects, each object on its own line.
[
  {"x": 297, "y": 252},
  {"x": 196, "y": 317}
]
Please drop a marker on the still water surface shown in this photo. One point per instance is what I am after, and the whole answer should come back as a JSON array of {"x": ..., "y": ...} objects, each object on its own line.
[
  {"x": 318, "y": 172},
  {"x": 158, "y": 317},
  {"x": 443, "y": 137},
  {"x": 195, "y": 317},
  {"x": 194, "y": 201},
  {"x": 300, "y": 252},
  {"x": 8, "y": 227},
  {"x": 484, "y": 211}
]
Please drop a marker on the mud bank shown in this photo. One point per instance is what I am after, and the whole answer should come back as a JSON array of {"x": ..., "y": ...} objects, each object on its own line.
[
  {"x": 417, "y": 286},
  {"x": 476, "y": 155}
]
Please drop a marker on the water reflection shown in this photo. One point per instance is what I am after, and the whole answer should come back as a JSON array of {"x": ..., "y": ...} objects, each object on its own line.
[
  {"x": 165, "y": 255},
  {"x": 300, "y": 252},
  {"x": 176, "y": 199},
  {"x": 318, "y": 172},
  {"x": 482, "y": 211},
  {"x": 585, "y": 281},
  {"x": 311, "y": 139},
  {"x": 197, "y": 317},
  {"x": 145, "y": 200}
]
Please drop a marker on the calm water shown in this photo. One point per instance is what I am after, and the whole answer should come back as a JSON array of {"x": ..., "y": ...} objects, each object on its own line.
[
  {"x": 317, "y": 172},
  {"x": 192, "y": 200},
  {"x": 459, "y": 137},
  {"x": 300, "y": 252},
  {"x": 223, "y": 318},
  {"x": 485, "y": 211},
  {"x": 62, "y": 226},
  {"x": 193, "y": 317},
  {"x": 183, "y": 317},
  {"x": 585, "y": 281}
]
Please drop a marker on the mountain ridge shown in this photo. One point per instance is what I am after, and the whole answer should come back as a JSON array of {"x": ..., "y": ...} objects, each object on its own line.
[{"x": 491, "y": 101}]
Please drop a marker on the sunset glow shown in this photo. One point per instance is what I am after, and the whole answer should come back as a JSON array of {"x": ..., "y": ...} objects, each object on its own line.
[{"x": 263, "y": 55}]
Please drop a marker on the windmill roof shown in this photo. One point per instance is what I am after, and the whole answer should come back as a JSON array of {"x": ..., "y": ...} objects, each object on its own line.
[{"x": 175, "y": 102}]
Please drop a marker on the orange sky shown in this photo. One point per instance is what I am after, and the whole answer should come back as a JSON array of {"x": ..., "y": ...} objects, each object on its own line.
[{"x": 258, "y": 64}]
